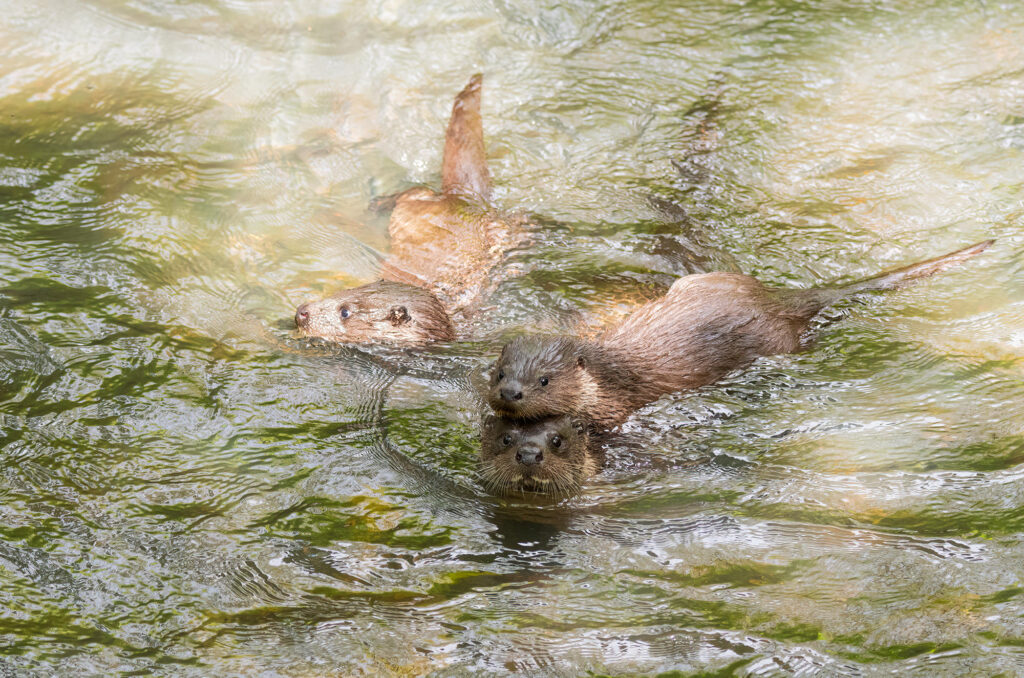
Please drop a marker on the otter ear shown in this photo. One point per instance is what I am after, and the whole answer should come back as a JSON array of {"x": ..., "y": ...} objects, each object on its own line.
[
  {"x": 398, "y": 315},
  {"x": 578, "y": 425},
  {"x": 581, "y": 363},
  {"x": 489, "y": 421}
]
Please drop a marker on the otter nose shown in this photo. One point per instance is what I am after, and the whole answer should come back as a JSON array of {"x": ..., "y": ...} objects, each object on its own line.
[
  {"x": 511, "y": 393},
  {"x": 529, "y": 456},
  {"x": 302, "y": 315}
]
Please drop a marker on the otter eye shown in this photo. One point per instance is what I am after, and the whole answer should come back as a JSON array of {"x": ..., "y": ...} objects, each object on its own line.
[
  {"x": 556, "y": 441},
  {"x": 344, "y": 312},
  {"x": 543, "y": 381},
  {"x": 501, "y": 374},
  {"x": 507, "y": 440}
]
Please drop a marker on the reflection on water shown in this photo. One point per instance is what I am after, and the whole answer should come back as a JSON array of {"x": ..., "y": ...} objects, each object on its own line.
[{"x": 185, "y": 490}]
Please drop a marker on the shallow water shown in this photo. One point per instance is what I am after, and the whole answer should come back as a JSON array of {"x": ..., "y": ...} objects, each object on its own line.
[{"x": 186, "y": 491}]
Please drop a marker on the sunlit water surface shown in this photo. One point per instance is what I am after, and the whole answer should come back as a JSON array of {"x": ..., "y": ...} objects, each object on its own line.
[{"x": 185, "y": 490}]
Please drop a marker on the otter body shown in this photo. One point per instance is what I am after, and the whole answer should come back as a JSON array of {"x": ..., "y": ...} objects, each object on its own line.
[
  {"x": 706, "y": 326},
  {"x": 443, "y": 245},
  {"x": 550, "y": 456},
  {"x": 448, "y": 244}
]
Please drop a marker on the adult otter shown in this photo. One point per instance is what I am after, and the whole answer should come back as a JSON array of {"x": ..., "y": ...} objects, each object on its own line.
[
  {"x": 400, "y": 313},
  {"x": 550, "y": 456},
  {"x": 705, "y": 326},
  {"x": 443, "y": 247}
]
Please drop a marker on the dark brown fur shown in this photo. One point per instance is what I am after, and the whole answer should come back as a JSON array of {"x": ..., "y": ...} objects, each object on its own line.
[
  {"x": 442, "y": 244},
  {"x": 706, "y": 326},
  {"x": 550, "y": 456}
]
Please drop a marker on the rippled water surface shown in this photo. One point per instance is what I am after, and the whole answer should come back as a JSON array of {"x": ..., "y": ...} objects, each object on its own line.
[{"x": 186, "y": 490}]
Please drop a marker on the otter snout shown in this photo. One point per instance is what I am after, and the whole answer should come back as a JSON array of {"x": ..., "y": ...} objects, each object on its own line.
[
  {"x": 511, "y": 393},
  {"x": 530, "y": 455},
  {"x": 302, "y": 316}
]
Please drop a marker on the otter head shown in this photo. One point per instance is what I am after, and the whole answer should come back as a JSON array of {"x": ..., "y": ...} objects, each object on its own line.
[
  {"x": 548, "y": 456},
  {"x": 383, "y": 311},
  {"x": 538, "y": 377}
]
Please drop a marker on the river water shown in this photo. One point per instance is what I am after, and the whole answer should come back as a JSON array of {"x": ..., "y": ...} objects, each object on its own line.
[{"x": 186, "y": 490}]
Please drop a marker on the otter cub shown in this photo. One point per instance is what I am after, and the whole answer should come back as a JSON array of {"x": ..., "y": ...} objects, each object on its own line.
[
  {"x": 443, "y": 246},
  {"x": 705, "y": 326},
  {"x": 549, "y": 456}
]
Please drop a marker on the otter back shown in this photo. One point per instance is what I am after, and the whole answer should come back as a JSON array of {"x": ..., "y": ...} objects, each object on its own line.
[{"x": 448, "y": 245}]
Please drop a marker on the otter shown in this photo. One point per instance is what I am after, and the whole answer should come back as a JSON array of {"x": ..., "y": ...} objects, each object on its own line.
[
  {"x": 405, "y": 314},
  {"x": 706, "y": 326},
  {"x": 549, "y": 456},
  {"x": 443, "y": 248}
]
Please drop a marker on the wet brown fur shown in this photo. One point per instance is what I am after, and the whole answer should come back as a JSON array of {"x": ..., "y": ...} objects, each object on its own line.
[
  {"x": 559, "y": 472},
  {"x": 706, "y": 326},
  {"x": 390, "y": 311},
  {"x": 443, "y": 243}
]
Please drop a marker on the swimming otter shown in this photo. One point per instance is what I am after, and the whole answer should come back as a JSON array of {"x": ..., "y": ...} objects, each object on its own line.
[
  {"x": 443, "y": 245},
  {"x": 405, "y": 314},
  {"x": 550, "y": 456},
  {"x": 705, "y": 326}
]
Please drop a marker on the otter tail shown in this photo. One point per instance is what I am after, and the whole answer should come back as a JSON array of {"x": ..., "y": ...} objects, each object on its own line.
[
  {"x": 465, "y": 165},
  {"x": 809, "y": 302}
]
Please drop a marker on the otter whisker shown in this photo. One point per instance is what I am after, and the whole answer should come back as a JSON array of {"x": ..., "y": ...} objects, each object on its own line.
[{"x": 548, "y": 457}]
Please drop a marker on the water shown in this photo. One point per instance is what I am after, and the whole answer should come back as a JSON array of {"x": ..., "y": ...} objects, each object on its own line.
[{"x": 186, "y": 491}]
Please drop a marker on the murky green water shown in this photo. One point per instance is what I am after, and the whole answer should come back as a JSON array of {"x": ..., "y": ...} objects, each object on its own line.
[{"x": 185, "y": 491}]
